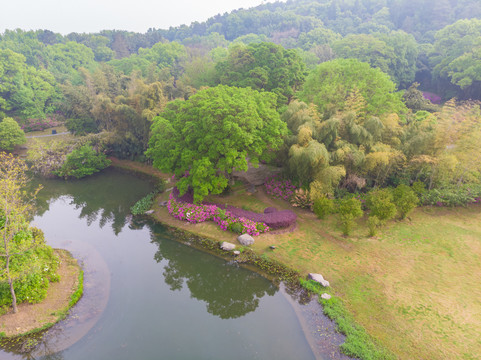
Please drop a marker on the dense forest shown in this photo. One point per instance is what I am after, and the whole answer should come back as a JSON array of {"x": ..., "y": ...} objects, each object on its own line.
[{"x": 343, "y": 95}]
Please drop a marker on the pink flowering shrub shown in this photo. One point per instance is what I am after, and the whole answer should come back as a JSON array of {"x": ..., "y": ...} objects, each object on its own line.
[
  {"x": 274, "y": 220},
  {"x": 40, "y": 124},
  {"x": 282, "y": 189},
  {"x": 190, "y": 212},
  {"x": 227, "y": 221},
  {"x": 435, "y": 99}
]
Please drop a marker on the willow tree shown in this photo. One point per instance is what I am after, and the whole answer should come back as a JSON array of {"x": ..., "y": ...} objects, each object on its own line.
[
  {"x": 17, "y": 238},
  {"x": 203, "y": 139}
]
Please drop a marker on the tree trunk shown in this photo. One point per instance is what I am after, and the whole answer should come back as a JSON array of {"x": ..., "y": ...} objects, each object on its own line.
[{"x": 12, "y": 290}]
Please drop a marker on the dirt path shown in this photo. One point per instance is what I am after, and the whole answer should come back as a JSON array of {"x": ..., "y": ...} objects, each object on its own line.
[{"x": 34, "y": 316}]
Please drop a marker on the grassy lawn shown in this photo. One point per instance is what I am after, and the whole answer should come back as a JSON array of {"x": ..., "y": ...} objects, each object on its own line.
[{"x": 416, "y": 287}]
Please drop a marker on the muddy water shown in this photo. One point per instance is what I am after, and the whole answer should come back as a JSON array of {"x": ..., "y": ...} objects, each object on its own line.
[{"x": 149, "y": 297}]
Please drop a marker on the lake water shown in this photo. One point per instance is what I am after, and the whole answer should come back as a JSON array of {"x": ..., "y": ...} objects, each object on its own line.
[{"x": 149, "y": 297}]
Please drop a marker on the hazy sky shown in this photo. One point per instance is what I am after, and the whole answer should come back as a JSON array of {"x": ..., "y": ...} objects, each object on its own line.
[{"x": 66, "y": 16}]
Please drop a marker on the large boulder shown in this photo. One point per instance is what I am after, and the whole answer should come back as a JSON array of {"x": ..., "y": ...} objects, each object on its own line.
[
  {"x": 318, "y": 278},
  {"x": 227, "y": 246},
  {"x": 245, "y": 239}
]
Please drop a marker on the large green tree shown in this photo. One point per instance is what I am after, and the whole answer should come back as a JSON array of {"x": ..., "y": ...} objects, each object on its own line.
[
  {"x": 202, "y": 140},
  {"x": 263, "y": 66},
  {"x": 330, "y": 83}
]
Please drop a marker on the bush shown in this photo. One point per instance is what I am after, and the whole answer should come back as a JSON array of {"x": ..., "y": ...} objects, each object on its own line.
[
  {"x": 380, "y": 202},
  {"x": 282, "y": 189},
  {"x": 349, "y": 210},
  {"x": 82, "y": 162},
  {"x": 453, "y": 196},
  {"x": 323, "y": 206},
  {"x": 373, "y": 224},
  {"x": 144, "y": 204},
  {"x": 405, "y": 200},
  {"x": 302, "y": 199},
  {"x": 274, "y": 220},
  {"x": 269, "y": 210}
]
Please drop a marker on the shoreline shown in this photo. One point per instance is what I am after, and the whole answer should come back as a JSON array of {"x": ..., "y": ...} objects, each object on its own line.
[{"x": 61, "y": 297}]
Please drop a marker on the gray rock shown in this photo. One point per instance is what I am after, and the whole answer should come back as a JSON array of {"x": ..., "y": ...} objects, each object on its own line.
[
  {"x": 272, "y": 247},
  {"x": 318, "y": 278},
  {"x": 325, "y": 296},
  {"x": 227, "y": 246},
  {"x": 245, "y": 239},
  {"x": 163, "y": 203},
  {"x": 149, "y": 212},
  {"x": 236, "y": 252}
]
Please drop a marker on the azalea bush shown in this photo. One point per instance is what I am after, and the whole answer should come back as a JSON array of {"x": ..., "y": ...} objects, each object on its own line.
[
  {"x": 281, "y": 189},
  {"x": 225, "y": 219},
  {"x": 40, "y": 124}
]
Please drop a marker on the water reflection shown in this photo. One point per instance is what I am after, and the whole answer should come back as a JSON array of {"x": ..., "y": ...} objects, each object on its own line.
[
  {"x": 228, "y": 292},
  {"x": 165, "y": 300}
]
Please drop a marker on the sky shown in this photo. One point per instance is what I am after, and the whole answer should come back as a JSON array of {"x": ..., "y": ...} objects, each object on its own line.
[{"x": 66, "y": 16}]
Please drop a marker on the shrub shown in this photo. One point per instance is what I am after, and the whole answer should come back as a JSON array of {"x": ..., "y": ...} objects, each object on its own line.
[
  {"x": 323, "y": 206},
  {"x": 269, "y": 210},
  {"x": 453, "y": 196},
  {"x": 82, "y": 162},
  {"x": 225, "y": 219},
  {"x": 302, "y": 199},
  {"x": 349, "y": 210},
  {"x": 419, "y": 189},
  {"x": 282, "y": 189},
  {"x": 405, "y": 200},
  {"x": 144, "y": 204},
  {"x": 380, "y": 202},
  {"x": 373, "y": 224},
  {"x": 40, "y": 124},
  {"x": 274, "y": 220}
]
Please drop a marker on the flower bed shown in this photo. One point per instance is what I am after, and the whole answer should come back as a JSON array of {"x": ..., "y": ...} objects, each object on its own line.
[
  {"x": 273, "y": 219},
  {"x": 224, "y": 218}
]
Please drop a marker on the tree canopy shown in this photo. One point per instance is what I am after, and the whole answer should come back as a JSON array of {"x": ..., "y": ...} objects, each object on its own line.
[
  {"x": 202, "y": 140},
  {"x": 10, "y": 134},
  {"x": 330, "y": 83}
]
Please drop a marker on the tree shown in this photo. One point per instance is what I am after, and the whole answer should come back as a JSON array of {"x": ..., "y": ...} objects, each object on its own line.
[
  {"x": 10, "y": 134},
  {"x": 202, "y": 140},
  {"x": 82, "y": 162},
  {"x": 350, "y": 209},
  {"x": 381, "y": 204},
  {"x": 405, "y": 199},
  {"x": 17, "y": 238},
  {"x": 330, "y": 83},
  {"x": 263, "y": 66}
]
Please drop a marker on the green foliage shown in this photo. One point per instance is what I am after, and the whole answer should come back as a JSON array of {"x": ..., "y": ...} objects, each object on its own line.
[
  {"x": 24, "y": 90},
  {"x": 349, "y": 210},
  {"x": 394, "y": 53},
  {"x": 143, "y": 205},
  {"x": 82, "y": 162},
  {"x": 405, "y": 199},
  {"x": 373, "y": 224},
  {"x": 263, "y": 66},
  {"x": 323, "y": 206},
  {"x": 10, "y": 134},
  {"x": 415, "y": 100},
  {"x": 358, "y": 343},
  {"x": 381, "y": 204},
  {"x": 202, "y": 140},
  {"x": 81, "y": 126},
  {"x": 302, "y": 199},
  {"x": 329, "y": 83},
  {"x": 453, "y": 195},
  {"x": 33, "y": 286}
]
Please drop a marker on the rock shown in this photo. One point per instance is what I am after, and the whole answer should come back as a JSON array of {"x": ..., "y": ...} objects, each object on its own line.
[
  {"x": 325, "y": 296},
  {"x": 272, "y": 247},
  {"x": 169, "y": 189},
  {"x": 318, "y": 278},
  {"x": 227, "y": 246},
  {"x": 236, "y": 252},
  {"x": 149, "y": 212},
  {"x": 245, "y": 239},
  {"x": 163, "y": 203}
]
